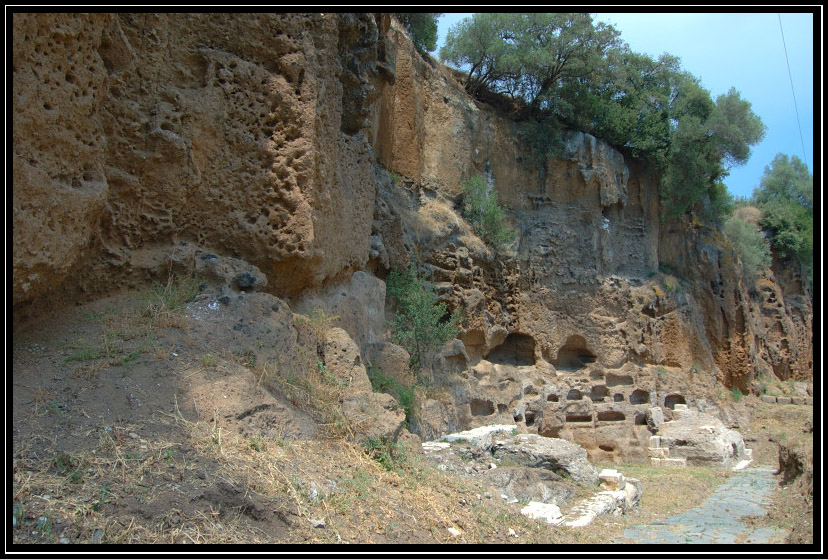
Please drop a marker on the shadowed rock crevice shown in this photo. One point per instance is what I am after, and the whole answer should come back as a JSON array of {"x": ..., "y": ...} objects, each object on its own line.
[
  {"x": 516, "y": 349},
  {"x": 574, "y": 355}
]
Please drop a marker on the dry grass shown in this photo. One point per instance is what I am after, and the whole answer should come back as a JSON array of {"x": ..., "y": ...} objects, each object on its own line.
[
  {"x": 106, "y": 494},
  {"x": 162, "y": 478},
  {"x": 436, "y": 219},
  {"x": 772, "y": 426}
]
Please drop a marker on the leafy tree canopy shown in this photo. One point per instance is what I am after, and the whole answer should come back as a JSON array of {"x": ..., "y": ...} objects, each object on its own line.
[
  {"x": 527, "y": 56},
  {"x": 423, "y": 29},
  {"x": 786, "y": 197},
  {"x": 570, "y": 71}
]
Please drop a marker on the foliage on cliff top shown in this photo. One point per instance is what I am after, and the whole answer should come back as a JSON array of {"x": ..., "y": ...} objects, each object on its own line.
[
  {"x": 786, "y": 197},
  {"x": 423, "y": 29},
  {"x": 569, "y": 71}
]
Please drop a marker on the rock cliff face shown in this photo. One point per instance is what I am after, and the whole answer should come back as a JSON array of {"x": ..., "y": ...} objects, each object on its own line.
[
  {"x": 325, "y": 151},
  {"x": 132, "y": 131}
]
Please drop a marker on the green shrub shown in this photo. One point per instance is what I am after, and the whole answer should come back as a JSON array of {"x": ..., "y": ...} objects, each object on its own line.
[
  {"x": 404, "y": 394},
  {"x": 786, "y": 197},
  {"x": 481, "y": 208},
  {"x": 751, "y": 246},
  {"x": 422, "y": 27},
  {"x": 422, "y": 323},
  {"x": 383, "y": 450},
  {"x": 736, "y": 393}
]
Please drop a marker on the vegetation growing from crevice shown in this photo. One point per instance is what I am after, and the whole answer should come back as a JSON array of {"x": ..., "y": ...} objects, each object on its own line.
[
  {"x": 404, "y": 394},
  {"x": 567, "y": 71},
  {"x": 749, "y": 243},
  {"x": 481, "y": 208},
  {"x": 422, "y": 323}
]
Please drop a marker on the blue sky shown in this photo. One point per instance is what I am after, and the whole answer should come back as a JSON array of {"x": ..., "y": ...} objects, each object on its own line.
[{"x": 741, "y": 50}]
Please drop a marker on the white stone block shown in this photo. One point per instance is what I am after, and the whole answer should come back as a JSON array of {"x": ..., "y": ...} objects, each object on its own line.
[
  {"x": 611, "y": 480},
  {"x": 543, "y": 511}
]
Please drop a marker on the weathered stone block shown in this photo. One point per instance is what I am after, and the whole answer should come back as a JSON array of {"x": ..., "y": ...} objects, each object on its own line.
[
  {"x": 611, "y": 480},
  {"x": 558, "y": 455},
  {"x": 655, "y": 417},
  {"x": 543, "y": 511}
]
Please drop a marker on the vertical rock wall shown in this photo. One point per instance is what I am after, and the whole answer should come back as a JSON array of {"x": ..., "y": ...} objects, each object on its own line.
[
  {"x": 270, "y": 138},
  {"x": 244, "y": 133}
]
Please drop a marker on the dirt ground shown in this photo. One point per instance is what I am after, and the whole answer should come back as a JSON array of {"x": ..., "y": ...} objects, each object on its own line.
[{"x": 133, "y": 423}]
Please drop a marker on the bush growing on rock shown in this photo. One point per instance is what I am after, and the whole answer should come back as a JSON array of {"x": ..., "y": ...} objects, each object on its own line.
[
  {"x": 751, "y": 246},
  {"x": 422, "y": 27},
  {"x": 422, "y": 323},
  {"x": 481, "y": 208}
]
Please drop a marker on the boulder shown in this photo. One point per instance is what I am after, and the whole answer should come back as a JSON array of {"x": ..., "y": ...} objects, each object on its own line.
[
  {"x": 604, "y": 503},
  {"x": 373, "y": 416},
  {"x": 342, "y": 359},
  {"x": 432, "y": 419},
  {"x": 358, "y": 304},
  {"x": 530, "y": 484},
  {"x": 543, "y": 511},
  {"x": 230, "y": 274},
  {"x": 701, "y": 440},
  {"x": 392, "y": 361},
  {"x": 562, "y": 457},
  {"x": 480, "y": 437}
]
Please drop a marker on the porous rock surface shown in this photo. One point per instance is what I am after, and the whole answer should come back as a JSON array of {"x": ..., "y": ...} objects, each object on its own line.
[
  {"x": 701, "y": 440},
  {"x": 324, "y": 151},
  {"x": 228, "y": 130}
]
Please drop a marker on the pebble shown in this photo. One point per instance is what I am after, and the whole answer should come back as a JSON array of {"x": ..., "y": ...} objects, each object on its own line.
[{"x": 317, "y": 523}]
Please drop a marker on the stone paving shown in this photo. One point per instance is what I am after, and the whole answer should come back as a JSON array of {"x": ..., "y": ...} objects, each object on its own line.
[{"x": 719, "y": 519}]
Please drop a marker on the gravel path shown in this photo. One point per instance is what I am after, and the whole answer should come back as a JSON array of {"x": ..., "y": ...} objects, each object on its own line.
[{"x": 719, "y": 519}]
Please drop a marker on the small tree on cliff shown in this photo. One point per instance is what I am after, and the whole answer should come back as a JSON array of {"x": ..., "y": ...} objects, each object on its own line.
[
  {"x": 749, "y": 243},
  {"x": 481, "y": 208},
  {"x": 422, "y": 323}
]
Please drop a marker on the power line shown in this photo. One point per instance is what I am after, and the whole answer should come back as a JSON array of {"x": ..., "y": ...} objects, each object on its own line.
[{"x": 792, "y": 89}]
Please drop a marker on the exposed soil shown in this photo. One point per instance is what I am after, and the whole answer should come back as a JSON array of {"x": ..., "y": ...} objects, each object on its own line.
[{"x": 138, "y": 423}]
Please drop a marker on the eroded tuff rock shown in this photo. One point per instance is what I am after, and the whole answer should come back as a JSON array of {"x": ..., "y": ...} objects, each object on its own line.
[
  {"x": 597, "y": 298},
  {"x": 697, "y": 439},
  {"x": 239, "y": 132},
  {"x": 314, "y": 153}
]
